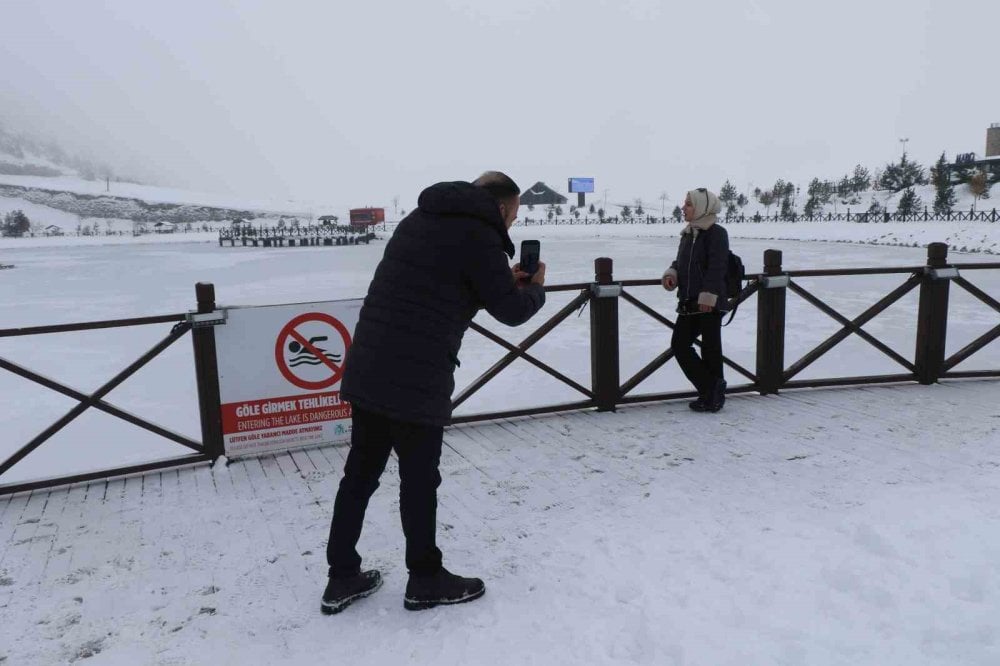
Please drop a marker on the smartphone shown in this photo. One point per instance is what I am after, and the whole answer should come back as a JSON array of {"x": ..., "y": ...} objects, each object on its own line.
[{"x": 530, "y": 251}]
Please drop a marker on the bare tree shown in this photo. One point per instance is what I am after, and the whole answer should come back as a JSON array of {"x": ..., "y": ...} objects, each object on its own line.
[{"x": 979, "y": 185}]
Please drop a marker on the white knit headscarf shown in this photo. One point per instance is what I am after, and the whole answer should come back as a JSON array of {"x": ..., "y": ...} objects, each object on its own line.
[{"x": 706, "y": 207}]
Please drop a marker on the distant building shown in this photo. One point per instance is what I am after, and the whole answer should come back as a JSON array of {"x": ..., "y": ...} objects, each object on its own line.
[
  {"x": 993, "y": 141},
  {"x": 53, "y": 230},
  {"x": 968, "y": 162},
  {"x": 366, "y": 217},
  {"x": 328, "y": 219},
  {"x": 541, "y": 194},
  {"x": 164, "y": 228}
]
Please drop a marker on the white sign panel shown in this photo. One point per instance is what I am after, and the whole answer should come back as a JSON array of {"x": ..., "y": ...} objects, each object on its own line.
[{"x": 280, "y": 368}]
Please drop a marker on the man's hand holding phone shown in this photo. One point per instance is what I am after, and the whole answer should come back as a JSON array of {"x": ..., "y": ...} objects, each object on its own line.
[
  {"x": 530, "y": 269},
  {"x": 523, "y": 278}
]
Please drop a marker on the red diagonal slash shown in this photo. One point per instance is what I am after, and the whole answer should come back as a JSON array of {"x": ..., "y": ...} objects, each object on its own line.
[{"x": 315, "y": 351}]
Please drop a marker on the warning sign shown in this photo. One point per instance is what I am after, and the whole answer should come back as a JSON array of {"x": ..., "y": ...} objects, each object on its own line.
[
  {"x": 280, "y": 369},
  {"x": 282, "y": 412}
]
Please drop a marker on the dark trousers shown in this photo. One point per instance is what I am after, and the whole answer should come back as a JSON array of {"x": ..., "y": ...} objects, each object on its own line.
[
  {"x": 418, "y": 449},
  {"x": 701, "y": 371}
]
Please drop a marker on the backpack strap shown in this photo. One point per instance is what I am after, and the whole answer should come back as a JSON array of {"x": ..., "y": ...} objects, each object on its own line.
[{"x": 732, "y": 313}]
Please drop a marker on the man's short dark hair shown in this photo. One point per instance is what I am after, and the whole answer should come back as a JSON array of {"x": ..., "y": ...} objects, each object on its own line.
[{"x": 498, "y": 184}]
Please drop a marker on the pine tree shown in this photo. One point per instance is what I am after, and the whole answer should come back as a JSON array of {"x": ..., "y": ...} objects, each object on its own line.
[
  {"x": 944, "y": 197},
  {"x": 742, "y": 201},
  {"x": 592, "y": 211},
  {"x": 811, "y": 205},
  {"x": 728, "y": 194},
  {"x": 844, "y": 188},
  {"x": 766, "y": 199},
  {"x": 786, "y": 207},
  {"x": 901, "y": 176},
  {"x": 860, "y": 179},
  {"x": 626, "y": 213},
  {"x": 816, "y": 193},
  {"x": 677, "y": 214},
  {"x": 16, "y": 224},
  {"x": 909, "y": 203}
]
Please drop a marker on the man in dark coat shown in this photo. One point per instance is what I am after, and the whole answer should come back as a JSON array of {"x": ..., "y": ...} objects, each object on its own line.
[
  {"x": 445, "y": 261},
  {"x": 699, "y": 274}
]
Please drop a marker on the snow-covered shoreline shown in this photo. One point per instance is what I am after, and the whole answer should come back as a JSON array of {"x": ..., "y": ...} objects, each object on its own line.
[{"x": 974, "y": 237}]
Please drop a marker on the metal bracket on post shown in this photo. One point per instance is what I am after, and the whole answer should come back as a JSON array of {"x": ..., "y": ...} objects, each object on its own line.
[
  {"x": 201, "y": 319},
  {"x": 774, "y": 281},
  {"x": 605, "y": 290},
  {"x": 946, "y": 273}
]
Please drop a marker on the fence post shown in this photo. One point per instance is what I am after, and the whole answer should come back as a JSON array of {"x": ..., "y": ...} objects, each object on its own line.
[
  {"x": 932, "y": 317},
  {"x": 604, "y": 371},
  {"x": 206, "y": 370},
  {"x": 771, "y": 325}
]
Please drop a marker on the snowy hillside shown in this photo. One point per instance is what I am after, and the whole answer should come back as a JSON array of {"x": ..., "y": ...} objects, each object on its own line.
[
  {"x": 68, "y": 202},
  {"x": 54, "y": 188}
]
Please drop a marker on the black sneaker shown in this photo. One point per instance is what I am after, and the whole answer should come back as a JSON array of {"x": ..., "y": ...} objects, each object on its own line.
[
  {"x": 698, "y": 405},
  {"x": 440, "y": 589},
  {"x": 341, "y": 592},
  {"x": 718, "y": 398}
]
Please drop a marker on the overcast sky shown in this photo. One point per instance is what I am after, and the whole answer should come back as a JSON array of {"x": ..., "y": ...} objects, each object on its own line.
[{"x": 354, "y": 102}]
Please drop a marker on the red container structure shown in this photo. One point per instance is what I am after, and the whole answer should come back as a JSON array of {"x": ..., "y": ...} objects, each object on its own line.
[{"x": 365, "y": 217}]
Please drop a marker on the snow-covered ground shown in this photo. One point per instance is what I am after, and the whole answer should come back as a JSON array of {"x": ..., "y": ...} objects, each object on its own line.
[
  {"x": 852, "y": 526},
  {"x": 838, "y": 527}
]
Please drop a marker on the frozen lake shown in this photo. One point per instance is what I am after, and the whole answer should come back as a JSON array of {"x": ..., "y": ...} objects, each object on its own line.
[{"x": 83, "y": 283}]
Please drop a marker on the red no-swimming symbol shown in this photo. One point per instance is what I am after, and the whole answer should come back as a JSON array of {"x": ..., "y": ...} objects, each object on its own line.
[{"x": 303, "y": 350}]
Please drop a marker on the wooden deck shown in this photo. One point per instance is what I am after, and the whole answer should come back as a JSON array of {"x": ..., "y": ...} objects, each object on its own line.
[{"x": 89, "y": 551}]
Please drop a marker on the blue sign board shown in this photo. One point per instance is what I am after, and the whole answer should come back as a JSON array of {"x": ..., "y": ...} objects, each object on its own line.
[{"x": 581, "y": 184}]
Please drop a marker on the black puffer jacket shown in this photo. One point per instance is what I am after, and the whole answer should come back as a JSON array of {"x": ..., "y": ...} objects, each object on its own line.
[
  {"x": 701, "y": 266},
  {"x": 446, "y": 261}
]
